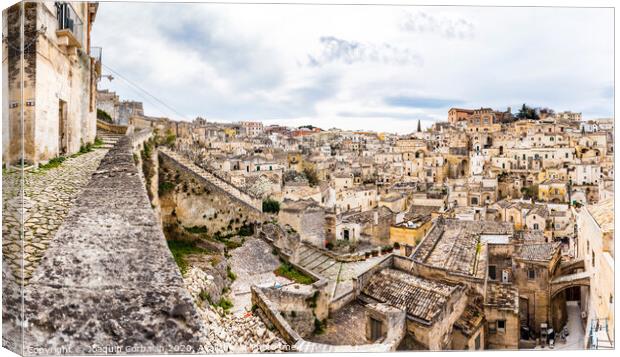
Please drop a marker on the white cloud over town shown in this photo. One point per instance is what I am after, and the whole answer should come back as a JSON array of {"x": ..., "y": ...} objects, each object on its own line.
[{"x": 373, "y": 67}]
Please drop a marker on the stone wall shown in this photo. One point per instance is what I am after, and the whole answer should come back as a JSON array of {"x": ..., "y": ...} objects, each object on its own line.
[
  {"x": 190, "y": 200},
  {"x": 295, "y": 307},
  {"x": 218, "y": 182},
  {"x": 108, "y": 281},
  {"x": 296, "y": 342}
]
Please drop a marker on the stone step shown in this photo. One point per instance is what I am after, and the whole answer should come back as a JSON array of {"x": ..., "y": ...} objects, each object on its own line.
[
  {"x": 317, "y": 262},
  {"x": 309, "y": 258}
]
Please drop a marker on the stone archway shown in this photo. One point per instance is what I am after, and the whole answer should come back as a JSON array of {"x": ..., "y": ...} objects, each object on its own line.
[{"x": 573, "y": 287}]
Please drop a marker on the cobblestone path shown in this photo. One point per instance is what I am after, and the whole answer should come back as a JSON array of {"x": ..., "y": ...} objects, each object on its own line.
[{"x": 48, "y": 196}]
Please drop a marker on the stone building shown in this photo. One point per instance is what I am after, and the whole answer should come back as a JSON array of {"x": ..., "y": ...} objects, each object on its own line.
[
  {"x": 59, "y": 81},
  {"x": 307, "y": 218},
  {"x": 128, "y": 109},
  {"x": 109, "y": 102},
  {"x": 595, "y": 246}
]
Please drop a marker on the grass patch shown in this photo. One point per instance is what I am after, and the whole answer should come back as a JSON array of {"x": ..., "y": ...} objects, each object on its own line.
[
  {"x": 196, "y": 229},
  {"x": 53, "y": 163},
  {"x": 98, "y": 142},
  {"x": 231, "y": 275},
  {"x": 204, "y": 296},
  {"x": 180, "y": 249},
  {"x": 288, "y": 271},
  {"x": 224, "y": 303}
]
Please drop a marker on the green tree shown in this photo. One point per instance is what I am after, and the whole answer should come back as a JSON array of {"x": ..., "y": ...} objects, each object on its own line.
[
  {"x": 311, "y": 176},
  {"x": 527, "y": 112},
  {"x": 271, "y": 206},
  {"x": 103, "y": 115}
]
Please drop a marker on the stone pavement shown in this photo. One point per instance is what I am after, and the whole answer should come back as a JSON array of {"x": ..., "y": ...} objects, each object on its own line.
[
  {"x": 346, "y": 327},
  {"x": 339, "y": 274},
  {"x": 48, "y": 195},
  {"x": 253, "y": 263},
  {"x": 575, "y": 339}
]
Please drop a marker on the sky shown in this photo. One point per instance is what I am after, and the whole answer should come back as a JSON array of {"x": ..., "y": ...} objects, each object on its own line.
[{"x": 378, "y": 68}]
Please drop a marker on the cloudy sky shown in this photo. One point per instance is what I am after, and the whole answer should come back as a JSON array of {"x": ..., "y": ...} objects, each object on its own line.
[{"x": 354, "y": 67}]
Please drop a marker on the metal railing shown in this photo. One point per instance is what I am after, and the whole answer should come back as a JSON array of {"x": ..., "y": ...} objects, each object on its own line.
[
  {"x": 95, "y": 52},
  {"x": 598, "y": 334},
  {"x": 68, "y": 19}
]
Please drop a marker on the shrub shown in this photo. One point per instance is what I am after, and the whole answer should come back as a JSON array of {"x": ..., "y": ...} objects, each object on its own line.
[
  {"x": 311, "y": 176},
  {"x": 204, "y": 296},
  {"x": 165, "y": 187},
  {"x": 196, "y": 229},
  {"x": 271, "y": 206},
  {"x": 246, "y": 230},
  {"x": 231, "y": 275},
  {"x": 103, "y": 115},
  {"x": 319, "y": 326},
  {"x": 225, "y": 304}
]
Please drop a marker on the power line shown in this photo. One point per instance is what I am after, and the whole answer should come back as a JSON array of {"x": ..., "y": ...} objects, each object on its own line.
[{"x": 144, "y": 91}]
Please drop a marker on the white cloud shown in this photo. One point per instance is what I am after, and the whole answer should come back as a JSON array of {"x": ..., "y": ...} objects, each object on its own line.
[
  {"x": 380, "y": 67},
  {"x": 444, "y": 25}
]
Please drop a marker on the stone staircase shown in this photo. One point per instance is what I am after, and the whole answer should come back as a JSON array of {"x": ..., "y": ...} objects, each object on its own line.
[
  {"x": 318, "y": 262},
  {"x": 109, "y": 138}
]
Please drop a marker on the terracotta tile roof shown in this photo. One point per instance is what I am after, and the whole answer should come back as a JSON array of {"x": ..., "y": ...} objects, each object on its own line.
[
  {"x": 421, "y": 298},
  {"x": 453, "y": 244},
  {"x": 502, "y": 296},
  {"x": 603, "y": 214},
  {"x": 537, "y": 251},
  {"x": 471, "y": 318}
]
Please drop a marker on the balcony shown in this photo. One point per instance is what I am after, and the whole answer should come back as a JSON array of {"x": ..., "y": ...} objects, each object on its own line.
[
  {"x": 95, "y": 53},
  {"x": 70, "y": 26}
]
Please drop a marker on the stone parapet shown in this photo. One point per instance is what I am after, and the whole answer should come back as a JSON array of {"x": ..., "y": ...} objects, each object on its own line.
[
  {"x": 108, "y": 282},
  {"x": 235, "y": 192}
]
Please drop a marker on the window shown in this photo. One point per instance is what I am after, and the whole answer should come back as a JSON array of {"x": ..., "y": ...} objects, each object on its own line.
[
  {"x": 501, "y": 326},
  {"x": 536, "y": 226},
  {"x": 492, "y": 272},
  {"x": 477, "y": 342},
  {"x": 593, "y": 259},
  {"x": 492, "y": 327},
  {"x": 531, "y": 274}
]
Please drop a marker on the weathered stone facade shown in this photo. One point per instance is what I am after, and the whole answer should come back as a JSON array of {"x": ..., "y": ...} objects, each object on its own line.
[{"x": 59, "y": 81}]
